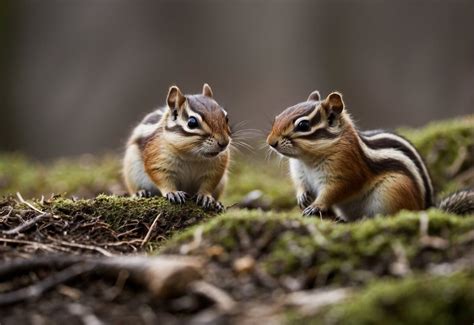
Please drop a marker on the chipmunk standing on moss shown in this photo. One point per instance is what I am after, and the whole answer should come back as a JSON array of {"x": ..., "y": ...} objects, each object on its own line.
[
  {"x": 355, "y": 174},
  {"x": 181, "y": 151}
]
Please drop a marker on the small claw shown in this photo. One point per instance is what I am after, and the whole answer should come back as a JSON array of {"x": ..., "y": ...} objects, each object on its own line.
[
  {"x": 143, "y": 193},
  {"x": 208, "y": 202},
  {"x": 178, "y": 197},
  {"x": 304, "y": 200},
  {"x": 312, "y": 211},
  {"x": 219, "y": 207}
]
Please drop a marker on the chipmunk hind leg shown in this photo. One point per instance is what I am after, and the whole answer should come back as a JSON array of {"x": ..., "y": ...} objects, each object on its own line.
[
  {"x": 396, "y": 192},
  {"x": 136, "y": 178}
]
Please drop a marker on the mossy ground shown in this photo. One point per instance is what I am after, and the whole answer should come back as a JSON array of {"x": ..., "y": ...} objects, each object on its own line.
[
  {"x": 419, "y": 299},
  {"x": 407, "y": 268},
  {"x": 296, "y": 253}
]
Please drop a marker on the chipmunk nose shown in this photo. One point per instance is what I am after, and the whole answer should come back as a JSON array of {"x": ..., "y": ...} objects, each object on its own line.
[
  {"x": 223, "y": 144},
  {"x": 274, "y": 144}
]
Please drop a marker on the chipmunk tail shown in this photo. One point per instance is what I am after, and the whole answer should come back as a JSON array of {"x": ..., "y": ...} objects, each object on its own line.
[{"x": 460, "y": 203}]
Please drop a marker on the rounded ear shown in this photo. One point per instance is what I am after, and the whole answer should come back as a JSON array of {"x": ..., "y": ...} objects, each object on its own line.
[
  {"x": 175, "y": 97},
  {"x": 314, "y": 96},
  {"x": 207, "y": 91},
  {"x": 334, "y": 102}
]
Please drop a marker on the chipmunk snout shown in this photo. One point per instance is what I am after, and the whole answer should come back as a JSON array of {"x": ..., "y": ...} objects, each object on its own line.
[
  {"x": 223, "y": 144},
  {"x": 272, "y": 141}
]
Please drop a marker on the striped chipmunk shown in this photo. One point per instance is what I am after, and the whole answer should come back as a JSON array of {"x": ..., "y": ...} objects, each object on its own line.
[
  {"x": 181, "y": 151},
  {"x": 354, "y": 174}
]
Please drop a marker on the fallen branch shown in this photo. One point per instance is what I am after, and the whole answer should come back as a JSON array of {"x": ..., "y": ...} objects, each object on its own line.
[{"x": 162, "y": 276}]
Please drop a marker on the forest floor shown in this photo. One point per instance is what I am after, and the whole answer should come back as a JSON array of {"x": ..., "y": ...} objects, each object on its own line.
[{"x": 74, "y": 247}]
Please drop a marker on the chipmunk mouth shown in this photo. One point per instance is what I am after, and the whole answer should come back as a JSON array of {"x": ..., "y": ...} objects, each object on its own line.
[
  {"x": 211, "y": 154},
  {"x": 283, "y": 152}
]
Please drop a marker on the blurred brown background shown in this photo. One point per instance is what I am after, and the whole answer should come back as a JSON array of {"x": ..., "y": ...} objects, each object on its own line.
[{"x": 76, "y": 75}]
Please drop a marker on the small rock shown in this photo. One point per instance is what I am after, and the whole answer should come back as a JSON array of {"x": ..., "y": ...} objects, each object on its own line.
[
  {"x": 255, "y": 199},
  {"x": 244, "y": 264}
]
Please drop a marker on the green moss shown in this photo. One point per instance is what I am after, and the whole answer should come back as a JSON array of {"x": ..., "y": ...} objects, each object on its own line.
[
  {"x": 116, "y": 211},
  {"x": 326, "y": 252},
  {"x": 253, "y": 173},
  {"x": 448, "y": 149},
  {"x": 420, "y": 299},
  {"x": 85, "y": 176}
]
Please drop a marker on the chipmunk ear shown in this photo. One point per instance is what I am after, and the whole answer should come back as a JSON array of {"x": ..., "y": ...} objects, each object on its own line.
[
  {"x": 334, "y": 102},
  {"x": 314, "y": 96},
  {"x": 175, "y": 98},
  {"x": 207, "y": 91}
]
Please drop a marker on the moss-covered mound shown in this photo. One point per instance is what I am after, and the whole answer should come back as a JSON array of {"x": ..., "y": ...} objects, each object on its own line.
[
  {"x": 418, "y": 300},
  {"x": 106, "y": 225},
  {"x": 287, "y": 252}
]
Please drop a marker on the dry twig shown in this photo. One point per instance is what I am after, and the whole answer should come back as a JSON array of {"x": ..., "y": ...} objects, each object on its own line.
[{"x": 152, "y": 227}]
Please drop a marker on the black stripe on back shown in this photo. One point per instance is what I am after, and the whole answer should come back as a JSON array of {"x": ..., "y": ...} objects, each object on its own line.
[{"x": 384, "y": 143}]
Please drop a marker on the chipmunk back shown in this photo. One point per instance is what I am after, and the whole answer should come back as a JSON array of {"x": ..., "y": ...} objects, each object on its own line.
[{"x": 181, "y": 151}]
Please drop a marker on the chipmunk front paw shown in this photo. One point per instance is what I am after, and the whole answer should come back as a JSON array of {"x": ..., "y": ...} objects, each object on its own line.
[
  {"x": 305, "y": 199},
  {"x": 315, "y": 210},
  {"x": 178, "y": 197},
  {"x": 144, "y": 194},
  {"x": 209, "y": 203}
]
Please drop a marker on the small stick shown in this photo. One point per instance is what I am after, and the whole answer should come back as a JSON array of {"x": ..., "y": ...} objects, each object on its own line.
[
  {"x": 26, "y": 225},
  {"x": 27, "y": 242},
  {"x": 28, "y": 204},
  {"x": 152, "y": 227},
  {"x": 120, "y": 243},
  {"x": 89, "y": 247}
]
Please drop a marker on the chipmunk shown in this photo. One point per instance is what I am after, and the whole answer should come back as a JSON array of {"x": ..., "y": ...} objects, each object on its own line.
[
  {"x": 336, "y": 167},
  {"x": 181, "y": 151}
]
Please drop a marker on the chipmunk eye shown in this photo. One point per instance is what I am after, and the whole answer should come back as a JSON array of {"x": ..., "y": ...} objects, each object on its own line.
[
  {"x": 303, "y": 126},
  {"x": 227, "y": 120},
  {"x": 193, "y": 122}
]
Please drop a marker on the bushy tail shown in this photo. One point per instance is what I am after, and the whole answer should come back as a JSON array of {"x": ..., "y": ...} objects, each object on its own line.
[{"x": 461, "y": 203}]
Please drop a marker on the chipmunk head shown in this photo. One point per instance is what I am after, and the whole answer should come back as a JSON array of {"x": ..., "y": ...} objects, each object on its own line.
[
  {"x": 196, "y": 124},
  {"x": 310, "y": 127}
]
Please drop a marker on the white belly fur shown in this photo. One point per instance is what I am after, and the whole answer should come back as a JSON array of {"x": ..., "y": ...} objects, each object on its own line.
[
  {"x": 361, "y": 206},
  {"x": 134, "y": 171}
]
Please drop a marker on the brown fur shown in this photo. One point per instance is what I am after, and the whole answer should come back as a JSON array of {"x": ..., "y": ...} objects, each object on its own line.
[
  {"x": 400, "y": 192},
  {"x": 210, "y": 111},
  {"x": 285, "y": 119}
]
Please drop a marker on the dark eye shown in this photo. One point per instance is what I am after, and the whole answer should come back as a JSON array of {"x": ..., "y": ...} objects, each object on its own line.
[
  {"x": 193, "y": 122},
  {"x": 227, "y": 120},
  {"x": 303, "y": 126}
]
